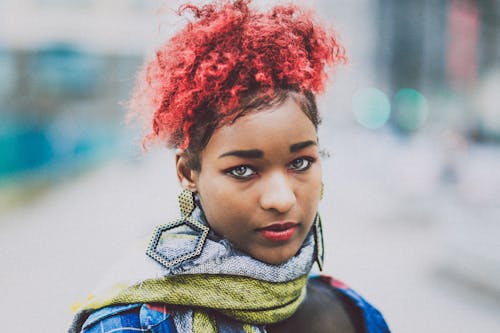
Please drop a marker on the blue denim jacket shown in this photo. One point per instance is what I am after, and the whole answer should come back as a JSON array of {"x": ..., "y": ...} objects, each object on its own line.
[{"x": 151, "y": 318}]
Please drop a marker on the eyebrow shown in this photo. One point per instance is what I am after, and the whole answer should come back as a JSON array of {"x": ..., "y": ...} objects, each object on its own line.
[
  {"x": 256, "y": 153},
  {"x": 301, "y": 145},
  {"x": 251, "y": 153}
]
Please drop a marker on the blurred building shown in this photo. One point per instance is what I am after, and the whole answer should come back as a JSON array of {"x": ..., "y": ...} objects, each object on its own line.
[
  {"x": 446, "y": 50},
  {"x": 65, "y": 66}
]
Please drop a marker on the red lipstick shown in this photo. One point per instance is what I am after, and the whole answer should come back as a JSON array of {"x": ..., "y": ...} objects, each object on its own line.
[{"x": 278, "y": 232}]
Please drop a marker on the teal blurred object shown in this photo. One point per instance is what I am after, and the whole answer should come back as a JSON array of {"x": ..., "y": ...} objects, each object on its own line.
[
  {"x": 371, "y": 108},
  {"x": 23, "y": 148},
  {"x": 410, "y": 110},
  {"x": 65, "y": 70},
  {"x": 55, "y": 114},
  {"x": 30, "y": 148}
]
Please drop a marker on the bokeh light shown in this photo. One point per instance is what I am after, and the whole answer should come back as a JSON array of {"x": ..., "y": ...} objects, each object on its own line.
[
  {"x": 371, "y": 108},
  {"x": 410, "y": 109}
]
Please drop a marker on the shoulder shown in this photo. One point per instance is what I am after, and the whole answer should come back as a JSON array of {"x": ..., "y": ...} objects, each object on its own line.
[
  {"x": 130, "y": 317},
  {"x": 331, "y": 306},
  {"x": 365, "y": 317}
]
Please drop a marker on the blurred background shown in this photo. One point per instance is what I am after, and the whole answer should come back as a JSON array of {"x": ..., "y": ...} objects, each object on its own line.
[{"x": 411, "y": 126}]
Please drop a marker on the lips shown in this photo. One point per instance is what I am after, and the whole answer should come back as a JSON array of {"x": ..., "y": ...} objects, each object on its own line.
[{"x": 278, "y": 232}]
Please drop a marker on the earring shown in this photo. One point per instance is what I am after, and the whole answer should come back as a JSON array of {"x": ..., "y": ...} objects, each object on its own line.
[
  {"x": 186, "y": 202},
  {"x": 166, "y": 247},
  {"x": 318, "y": 241},
  {"x": 321, "y": 191}
]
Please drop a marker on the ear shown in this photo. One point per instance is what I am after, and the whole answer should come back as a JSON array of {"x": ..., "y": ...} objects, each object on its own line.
[{"x": 186, "y": 176}]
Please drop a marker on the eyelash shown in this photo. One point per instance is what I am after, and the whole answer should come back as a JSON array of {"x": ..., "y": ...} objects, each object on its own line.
[
  {"x": 309, "y": 161},
  {"x": 231, "y": 171}
]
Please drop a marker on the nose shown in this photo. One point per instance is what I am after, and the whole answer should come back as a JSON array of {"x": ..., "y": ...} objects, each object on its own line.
[{"x": 277, "y": 194}]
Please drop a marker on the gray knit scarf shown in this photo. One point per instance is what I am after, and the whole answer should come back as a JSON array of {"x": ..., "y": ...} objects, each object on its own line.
[{"x": 218, "y": 257}]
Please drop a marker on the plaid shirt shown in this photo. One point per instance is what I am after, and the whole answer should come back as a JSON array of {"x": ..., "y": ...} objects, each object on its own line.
[{"x": 155, "y": 318}]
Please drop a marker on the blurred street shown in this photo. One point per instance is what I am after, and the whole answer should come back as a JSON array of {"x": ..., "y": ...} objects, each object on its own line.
[{"x": 390, "y": 241}]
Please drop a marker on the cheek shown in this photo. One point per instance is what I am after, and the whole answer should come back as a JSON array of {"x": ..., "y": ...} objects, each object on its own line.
[
  {"x": 217, "y": 192},
  {"x": 314, "y": 180},
  {"x": 218, "y": 200},
  {"x": 311, "y": 192}
]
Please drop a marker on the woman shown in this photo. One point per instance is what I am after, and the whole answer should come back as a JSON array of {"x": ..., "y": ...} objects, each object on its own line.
[{"x": 234, "y": 93}]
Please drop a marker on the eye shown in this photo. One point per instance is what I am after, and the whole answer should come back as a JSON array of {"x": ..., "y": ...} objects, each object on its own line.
[
  {"x": 300, "y": 164},
  {"x": 241, "y": 172}
]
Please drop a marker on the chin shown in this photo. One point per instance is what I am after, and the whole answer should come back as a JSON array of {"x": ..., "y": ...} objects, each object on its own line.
[
  {"x": 275, "y": 256},
  {"x": 277, "y": 261}
]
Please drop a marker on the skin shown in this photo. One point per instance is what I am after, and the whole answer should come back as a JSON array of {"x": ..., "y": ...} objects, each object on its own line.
[{"x": 262, "y": 169}]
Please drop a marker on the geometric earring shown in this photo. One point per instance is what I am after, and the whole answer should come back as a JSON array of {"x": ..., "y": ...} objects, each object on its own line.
[
  {"x": 318, "y": 234},
  {"x": 186, "y": 202},
  {"x": 319, "y": 248},
  {"x": 180, "y": 240}
]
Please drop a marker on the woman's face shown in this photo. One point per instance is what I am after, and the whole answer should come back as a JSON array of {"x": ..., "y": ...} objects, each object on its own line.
[{"x": 260, "y": 179}]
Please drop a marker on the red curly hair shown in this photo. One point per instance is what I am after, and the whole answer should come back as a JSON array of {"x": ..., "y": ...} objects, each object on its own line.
[{"x": 199, "y": 78}]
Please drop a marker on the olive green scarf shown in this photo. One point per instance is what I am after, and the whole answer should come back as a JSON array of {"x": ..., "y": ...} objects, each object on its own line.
[{"x": 244, "y": 299}]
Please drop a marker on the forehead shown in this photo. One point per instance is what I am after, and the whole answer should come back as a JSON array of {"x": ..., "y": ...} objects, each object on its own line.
[{"x": 268, "y": 130}]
